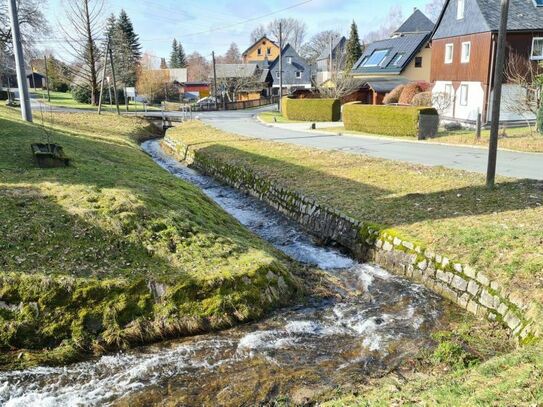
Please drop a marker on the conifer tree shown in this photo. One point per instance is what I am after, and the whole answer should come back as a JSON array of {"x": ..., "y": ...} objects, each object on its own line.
[
  {"x": 353, "y": 49},
  {"x": 174, "y": 55},
  {"x": 163, "y": 64},
  {"x": 181, "y": 58},
  {"x": 125, "y": 25}
]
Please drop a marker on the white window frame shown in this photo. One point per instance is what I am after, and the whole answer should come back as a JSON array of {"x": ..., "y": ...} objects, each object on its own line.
[
  {"x": 465, "y": 58},
  {"x": 451, "y": 56},
  {"x": 449, "y": 90},
  {"x": 289, "y": 60},
  {"x": 298, "y": 75},
  {"x": 532, "y": 57},
  {"x": 460, "y": 9},
  {"x": 277, "y": 75},
  {"x": 464, "y": 95}
]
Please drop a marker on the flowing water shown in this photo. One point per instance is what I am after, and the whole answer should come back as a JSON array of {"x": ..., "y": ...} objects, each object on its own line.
[{"x": 378, "y": 321}]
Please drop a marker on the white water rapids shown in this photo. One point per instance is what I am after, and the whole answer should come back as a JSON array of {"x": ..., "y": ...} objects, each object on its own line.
[{"x": 389, "y": 320}]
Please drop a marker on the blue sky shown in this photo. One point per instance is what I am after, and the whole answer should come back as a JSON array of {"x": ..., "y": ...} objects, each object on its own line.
[{"x": 159, "y": 21}]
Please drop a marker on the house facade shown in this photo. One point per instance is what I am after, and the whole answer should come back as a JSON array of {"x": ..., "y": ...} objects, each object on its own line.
[
  {"x": 404, "y": 57},
  {"x": 331, "y": 59},
  {"x": 464, "y": 54},
  {"x": 261, "y": 50},
  {"x": 296, "y": 72},
  {"x": 242, "y": 82}
]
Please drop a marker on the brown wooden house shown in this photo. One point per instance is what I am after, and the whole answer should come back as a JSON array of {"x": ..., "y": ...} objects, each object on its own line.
[{"x": 464, "y": 53}]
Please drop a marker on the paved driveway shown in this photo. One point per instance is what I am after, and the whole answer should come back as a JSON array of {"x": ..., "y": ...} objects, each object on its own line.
[{"x": 512, "y": 164}]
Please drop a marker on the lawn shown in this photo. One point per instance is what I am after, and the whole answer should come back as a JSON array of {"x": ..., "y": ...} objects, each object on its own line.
[
  {"x": 113, "y": 251},
  {"x": 518, "y": 139},
  {"x": 452, "y": 213},
  {"x": 274, "y": 117},
  {"x": 65, "y": 99}
]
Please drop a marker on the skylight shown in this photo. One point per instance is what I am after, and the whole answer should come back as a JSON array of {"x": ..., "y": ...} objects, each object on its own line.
[{"x": 377, "y": 57}]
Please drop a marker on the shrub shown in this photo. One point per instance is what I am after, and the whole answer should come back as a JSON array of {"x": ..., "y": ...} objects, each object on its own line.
[
  {"x": 423, "y": 99},
  {"x": 408, "y": 93},
  {"x": 318, "y": 110},
  {"x": 401, "y": 121},
  {"x": 540, "y": 119},
  {"x": 81, "y": 93},
  {"x": 60, "y": 87},
  {"x": 3, "y": 95},
  {"x": 452, "y": 126},
  {"x": 394, "y": 95}
]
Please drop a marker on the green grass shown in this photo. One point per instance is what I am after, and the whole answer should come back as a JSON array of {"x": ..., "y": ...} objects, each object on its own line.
[
  {"x": 517, "y": 139},
  {"x": 81, "y": 248},
  {"x": 450, "y": 211},
  {"x": 65, "y": 99},
  {"x": 274, "y": 117}
]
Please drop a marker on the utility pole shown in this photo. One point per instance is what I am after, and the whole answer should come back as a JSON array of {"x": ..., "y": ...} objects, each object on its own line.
[
  {"x": 496, "y": 102},
  {"x": 26, "y": 110},
  {"x": 114, "y": 81},
  {"x": 214, "y": 80},
  {"x": 280, "y": 67},
  {"x": 47, "y": 78},
  {"x": 103, "y": 80},
  {"x": 331, "y": 56}
]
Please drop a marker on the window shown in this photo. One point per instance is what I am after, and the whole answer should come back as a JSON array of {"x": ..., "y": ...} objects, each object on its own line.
[
  {"x": 418, "y": 62},
  {"x": 289, "y": 60},
  {"x": 464, "y": 95},
  {"x": 461, "y": 9},
  {"x": 259, "y": 51},
  {"x": 449, "y": 50},
  {"x": 376, "y": 58},
  {"x": 298, "y": 75},
  {"x": 277, "y": 75},
  {"x": 398, "y": 59},
  {"x": 538, "y": 3},
  {"x": 268, "y": 51},
  {"x": 466, "y": 52},
  {"x": 449, "y": 91},
  {"x": 537, "y": 48}
]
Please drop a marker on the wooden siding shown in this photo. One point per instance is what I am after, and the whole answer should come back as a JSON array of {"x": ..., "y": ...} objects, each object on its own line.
[
  {"x": 478, "y": 68},
  {"x": 252, "y": 54}
]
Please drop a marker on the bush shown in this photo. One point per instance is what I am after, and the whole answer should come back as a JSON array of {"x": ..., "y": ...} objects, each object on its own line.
[
  {"x": 423, "y": 99},
  {"x": 60, "y": 87},
  {"x": 3, "y": 95},
  {"x": 408, "y": 93},
  {"x": 318, "y": 110},
  {"x": 540, "y": 119},
  {"x": 401, "y": 121},
  {"x": 394, "y": 95},
  {"x": 81, "y": 93}
]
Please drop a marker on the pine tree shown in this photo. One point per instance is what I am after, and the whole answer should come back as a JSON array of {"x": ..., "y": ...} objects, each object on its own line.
[
  {"x": 174, "y": 56},
  {"x": 125, "y": 25},
  {"x": 111, "y": 26},
  {"x": 163, "y": 64},
  {"x": 181, "y": 58},
  {"x": 353, "y": 49}
]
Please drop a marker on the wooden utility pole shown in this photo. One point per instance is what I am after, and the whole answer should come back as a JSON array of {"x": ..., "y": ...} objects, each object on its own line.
[
  {"x": 47, "y": 78},
  {"x": 214, "y": 80},
  {"x": 496, "y": 102},
  {"x": 114, "y": 81},
  {"x": 280, "y": 66},
  {"x": 26, "y": 110},
  {"x": 103, "y": 80}
]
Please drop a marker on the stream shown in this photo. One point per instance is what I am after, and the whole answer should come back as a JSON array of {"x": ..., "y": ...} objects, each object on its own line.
[{"x": 294, "y": 354}]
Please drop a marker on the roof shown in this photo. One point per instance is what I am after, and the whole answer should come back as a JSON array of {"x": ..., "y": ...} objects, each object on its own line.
[
  {"x": 407, "y": 44},
  {"x": 339, "y": 42},
  {"x": 297, "y": 65},
  {"x": 385, "y": 85},
  {"x": 264, "y": 37},
  {"x": 236, "y": 70},
  {"x": 416, "y": 23},
  {"x": 484, "y": 16}
]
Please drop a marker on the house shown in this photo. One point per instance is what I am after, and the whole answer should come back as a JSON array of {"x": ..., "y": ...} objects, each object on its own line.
[
  {"x": 261, "y": 50},
  {"x": 241, "y": 82},
  {"x": 296, "y": 72},
  {"x": 197, "y": 89},
  {"x": 402, "y": 58},
  {"x": 174, "y": 75},
  {"x": 464, "y": 56},
  {"x": 36, "y": 80},
  {"x": 331, "y": 59}
]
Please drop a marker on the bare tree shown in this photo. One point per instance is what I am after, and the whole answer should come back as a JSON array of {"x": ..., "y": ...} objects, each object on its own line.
[
  {"x": 391, "y": 23},
  {"x": 32, "y": 22},
  {"x": 294, "y": 32},
  {"x": 244, "y": 81},
  {"x": 320, "y": 42},
  {"x": 527, "y": 76},
  {"x": 434, "y": 8},
  {"x": 232, "y": 56},
  {"x": 84, "y": 24},
  {"x": 198, "y": 67},
  {"x": 441, "y": 101},
  {"x": 340, "y": 85},
  {"x": 258, "y": 33}
]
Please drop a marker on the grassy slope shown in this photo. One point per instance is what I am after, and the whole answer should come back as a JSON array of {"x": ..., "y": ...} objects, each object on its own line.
[
  {"x": 499, "y": 232},
  {"x": 80, "y": 246},
  {"x": 450, "y": 211}
]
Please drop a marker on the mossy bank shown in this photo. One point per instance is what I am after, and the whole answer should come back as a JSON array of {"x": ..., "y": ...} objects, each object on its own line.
[{"x": 113, "y": 251}]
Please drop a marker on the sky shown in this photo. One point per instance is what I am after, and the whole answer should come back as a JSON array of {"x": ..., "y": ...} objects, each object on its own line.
[{"x": 212, "y": 25}]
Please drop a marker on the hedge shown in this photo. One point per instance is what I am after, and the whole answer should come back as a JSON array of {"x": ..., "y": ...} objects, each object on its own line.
[
  {"x": 318, "y": 110},
  {"x": 401, "y": 121}
]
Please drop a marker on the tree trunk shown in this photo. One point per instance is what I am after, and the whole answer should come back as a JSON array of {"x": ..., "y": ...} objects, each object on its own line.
[{"x": 91, "y": 56}]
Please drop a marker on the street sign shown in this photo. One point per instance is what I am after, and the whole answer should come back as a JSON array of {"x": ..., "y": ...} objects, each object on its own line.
[{"x": 131, "y": 92}]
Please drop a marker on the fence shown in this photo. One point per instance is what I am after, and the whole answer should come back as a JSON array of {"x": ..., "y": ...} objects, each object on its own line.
[{"x": 240, "y": 105}]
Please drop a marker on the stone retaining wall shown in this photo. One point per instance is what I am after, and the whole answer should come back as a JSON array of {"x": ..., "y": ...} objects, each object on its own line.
[{"x": 460, "y": 283}]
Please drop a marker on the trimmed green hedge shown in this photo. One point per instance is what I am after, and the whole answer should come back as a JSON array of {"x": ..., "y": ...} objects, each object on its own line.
[
  {"x": 400, "y": 121},
  {"x": 317, "y": 110}
]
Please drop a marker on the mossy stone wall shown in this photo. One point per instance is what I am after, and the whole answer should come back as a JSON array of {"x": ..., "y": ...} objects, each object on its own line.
[{"x": 460, "y": 283}]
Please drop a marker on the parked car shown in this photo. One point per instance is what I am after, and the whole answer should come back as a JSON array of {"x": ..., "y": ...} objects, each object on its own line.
[
  {"x": 189, "y": 98},
  {"x": 205, "y": 102}
]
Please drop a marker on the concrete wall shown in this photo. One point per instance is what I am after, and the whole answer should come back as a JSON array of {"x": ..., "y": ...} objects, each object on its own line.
[{"x": 460, "y": 283}]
